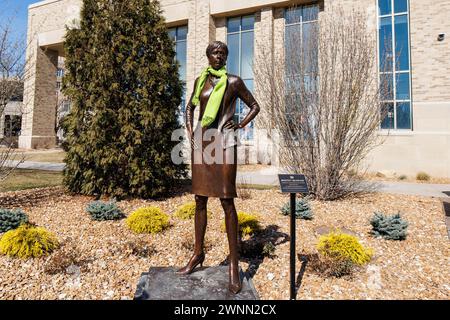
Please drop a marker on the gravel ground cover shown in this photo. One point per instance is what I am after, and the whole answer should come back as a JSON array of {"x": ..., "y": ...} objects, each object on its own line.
[{"x": 110, "y": 258}]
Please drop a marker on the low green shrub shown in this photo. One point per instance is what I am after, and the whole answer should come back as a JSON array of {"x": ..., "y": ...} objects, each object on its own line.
[
  {"x": 248, "y": 224},
  {"x": 341, "y": 246},
  {"x": 422, "y": 176},
  {"x": 302, "y": 209},
  {"x": 389, "y": 227},
  {"x": 341, "y": 254},
  {"x": 402, "y": 177},
  {"x": 148, "y": 220},
  {"x": 11, "y": 219},
  {"x": 28, "y": 241},
  {"x": 102, "y": 211},
  {"x": 187, "y": 211}
]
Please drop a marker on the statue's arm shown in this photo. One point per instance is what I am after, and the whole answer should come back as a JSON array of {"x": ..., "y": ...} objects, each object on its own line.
[
  {"x": 247, "y": 97},
  {"x": 190, "y": 114}
]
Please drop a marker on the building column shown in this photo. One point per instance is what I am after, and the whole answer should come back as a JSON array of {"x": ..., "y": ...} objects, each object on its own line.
[
  {"x": 221, "y": 29},
  {"x": 201, "y": 31},
  {"x": 205, "y": 33},
  {"x": 40, "y": 100}
]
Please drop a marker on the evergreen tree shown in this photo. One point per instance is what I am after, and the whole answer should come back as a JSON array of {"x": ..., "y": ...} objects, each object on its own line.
[
  {"x": 302, "y": 209},
  {"x": 122, "y": 80}
]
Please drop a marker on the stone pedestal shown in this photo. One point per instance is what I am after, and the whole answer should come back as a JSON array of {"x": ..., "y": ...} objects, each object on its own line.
[{"x": 208, "y": 283}]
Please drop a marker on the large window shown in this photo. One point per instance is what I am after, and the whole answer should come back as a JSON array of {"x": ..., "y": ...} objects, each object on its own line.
[
  {"x": 301, "y": 56},
  {"x": 394, "y": 67},
  {"x": 179, "y": 35},
  {"x": 240, "y": 41},
  {"x": 13, "y": 125},
  {"x": 301, "y": 31},
  {"x": 301, "y": 27}
]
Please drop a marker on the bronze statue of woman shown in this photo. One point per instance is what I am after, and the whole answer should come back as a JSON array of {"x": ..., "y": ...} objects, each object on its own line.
[{"x": 216, "y": 92}]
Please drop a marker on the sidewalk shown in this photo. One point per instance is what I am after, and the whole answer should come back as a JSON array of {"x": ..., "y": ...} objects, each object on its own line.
[
  {"x": 269, "y": 176},
  {"x": 48, "y": 166}
]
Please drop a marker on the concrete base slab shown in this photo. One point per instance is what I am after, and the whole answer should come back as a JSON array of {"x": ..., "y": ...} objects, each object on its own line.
[{"x": 207, "y": 283}]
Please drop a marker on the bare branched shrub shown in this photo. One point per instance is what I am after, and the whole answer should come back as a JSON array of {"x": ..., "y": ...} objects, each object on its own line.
[
  {"x": 243, "y": 188},
  {"x": 67, "y": 255},
  {"x": 138, "y": 247},
  {"x": 7, "y": 153},
  {"x": 324, "y": 104},
  {"x": 188, "y": 243},
  {"x": 13, "y": 72},
  {"x": 329, "y": 267}
]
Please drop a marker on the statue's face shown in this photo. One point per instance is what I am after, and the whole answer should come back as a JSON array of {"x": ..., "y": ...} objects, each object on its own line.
[{"x": 218, "y": 58}]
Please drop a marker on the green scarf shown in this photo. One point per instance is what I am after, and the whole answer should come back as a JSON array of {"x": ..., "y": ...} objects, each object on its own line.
[{"x": 212, "y": 108}]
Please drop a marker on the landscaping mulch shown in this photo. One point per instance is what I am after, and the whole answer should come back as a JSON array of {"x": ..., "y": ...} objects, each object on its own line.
[
  {"x": 110, "y": 258},
  {"x": 29, "y": 197}
]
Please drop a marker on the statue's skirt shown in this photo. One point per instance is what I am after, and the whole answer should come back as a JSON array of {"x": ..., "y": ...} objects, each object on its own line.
[{"x": 214, "y": 166}]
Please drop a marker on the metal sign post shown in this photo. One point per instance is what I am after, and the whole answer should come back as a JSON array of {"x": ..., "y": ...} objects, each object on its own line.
[
  {"x": 293, "y": 273},
  {"x": 293, "y": 184}
]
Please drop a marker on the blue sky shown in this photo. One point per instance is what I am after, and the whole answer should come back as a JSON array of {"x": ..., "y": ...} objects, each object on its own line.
[{"x": 17, "y": 10}]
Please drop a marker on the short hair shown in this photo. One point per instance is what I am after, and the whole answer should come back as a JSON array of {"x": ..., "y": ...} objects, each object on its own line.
[{"x": 216, "y": 45}]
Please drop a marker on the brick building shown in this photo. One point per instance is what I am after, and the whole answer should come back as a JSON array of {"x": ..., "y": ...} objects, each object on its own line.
[
  {"x": 419, "y": 119},
  {"x": 11, "y": 114}
]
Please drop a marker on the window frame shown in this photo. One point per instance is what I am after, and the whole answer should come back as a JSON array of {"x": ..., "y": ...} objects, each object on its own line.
[
  {"x": 239, "y": 101},
  {"x": 394, "y": 72},
  {"x": 176, "y": 41},
  {"x": 301, "y": 23}
]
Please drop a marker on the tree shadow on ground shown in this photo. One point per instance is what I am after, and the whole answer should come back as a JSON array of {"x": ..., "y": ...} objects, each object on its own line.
[
  {"x": 260, "y": 245},
  {"x": 179, "y": 188}
]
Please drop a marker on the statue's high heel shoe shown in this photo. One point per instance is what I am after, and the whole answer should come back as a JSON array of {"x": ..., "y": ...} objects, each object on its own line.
[
  {"x": 194, "y": 262},
  {"x": 235, "y": 287},
  {"x": 235, "y": 284}
]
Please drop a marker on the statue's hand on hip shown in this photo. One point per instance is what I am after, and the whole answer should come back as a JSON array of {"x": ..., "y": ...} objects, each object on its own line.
[{"x": 231, "y": 125}]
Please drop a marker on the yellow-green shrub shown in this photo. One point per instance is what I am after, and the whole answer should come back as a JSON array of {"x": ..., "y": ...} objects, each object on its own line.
[
  {"x": 148, "y": 220},
  {"x": 187, "y": 211},
  {"x": 343, "y": 247},
  {"x": 248, "y": 224},
  {"x": 28, "y": 242},
  {"x": 422, "y": 176}
]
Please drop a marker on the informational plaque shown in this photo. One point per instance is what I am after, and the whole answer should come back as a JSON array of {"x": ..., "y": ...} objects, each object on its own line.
[{"x": 293, "y": 183}]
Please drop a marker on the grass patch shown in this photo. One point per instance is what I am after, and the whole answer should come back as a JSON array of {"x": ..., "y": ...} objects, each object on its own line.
[
  {"x": 55, "y": 157},
  {"x": 257, "y": 186},
  {"x": 22, "y": 179}
]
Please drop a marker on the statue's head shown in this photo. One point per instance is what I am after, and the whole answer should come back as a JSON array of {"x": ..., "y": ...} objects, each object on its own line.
[{"x": 217, "y": 53}]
